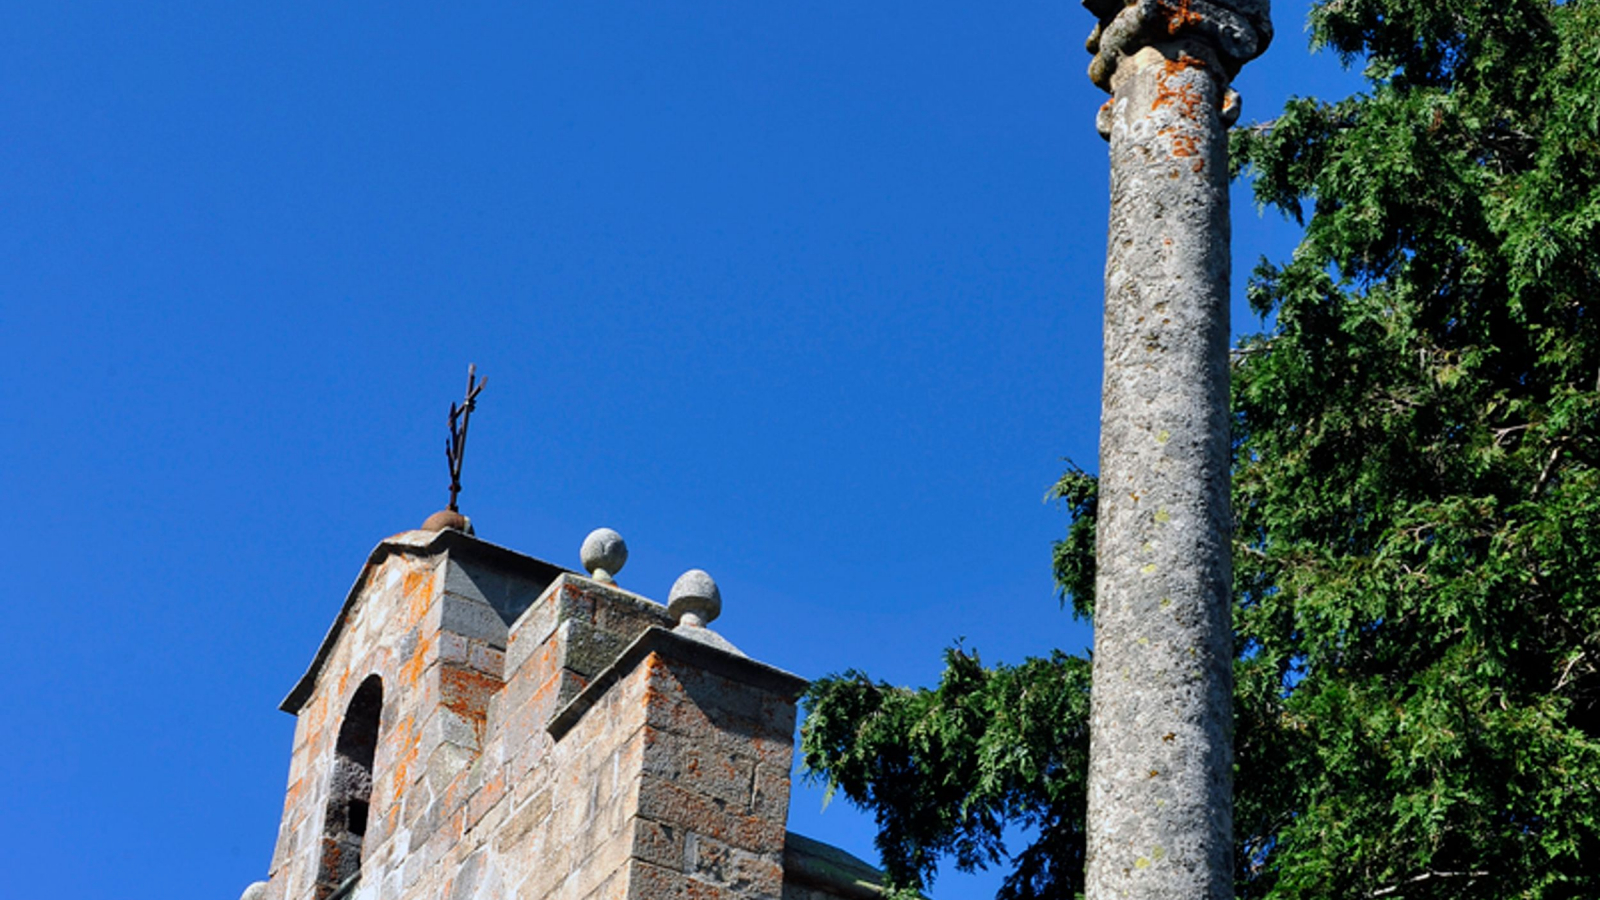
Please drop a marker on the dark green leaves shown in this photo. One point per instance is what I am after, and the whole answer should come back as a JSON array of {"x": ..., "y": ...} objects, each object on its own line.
[
  {"x": 946, "y": 770},
  {"x": 1413, "y": 437},
  {"x": 1074, "y": 557}
]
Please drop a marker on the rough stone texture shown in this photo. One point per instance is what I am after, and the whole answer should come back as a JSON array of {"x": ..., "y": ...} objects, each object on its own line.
[
  {"x": 581, "y": 751},
  {"x": 1160, "y": 800}
]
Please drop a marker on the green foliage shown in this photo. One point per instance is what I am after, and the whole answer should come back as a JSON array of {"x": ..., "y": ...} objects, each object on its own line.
[
  {"x": 1415, "y": 473},
  {"x": 946, "y": 770},
  {"x": 1417, "y": 504},
  {"x": 1074, "y": 556}
]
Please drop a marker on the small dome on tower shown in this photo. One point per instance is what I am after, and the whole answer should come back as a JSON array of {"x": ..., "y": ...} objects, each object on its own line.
[{"x": 447, "y": 518}]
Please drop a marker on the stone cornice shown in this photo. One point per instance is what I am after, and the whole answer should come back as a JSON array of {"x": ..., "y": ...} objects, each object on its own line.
[{"x": 733, "y": 666}]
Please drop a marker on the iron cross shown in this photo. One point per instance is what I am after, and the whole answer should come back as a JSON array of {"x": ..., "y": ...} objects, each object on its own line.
[{"x": 456, "y": 448}]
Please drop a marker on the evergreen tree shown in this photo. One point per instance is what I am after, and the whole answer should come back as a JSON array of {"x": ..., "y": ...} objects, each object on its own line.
[{"x": 1417, "y": 503}]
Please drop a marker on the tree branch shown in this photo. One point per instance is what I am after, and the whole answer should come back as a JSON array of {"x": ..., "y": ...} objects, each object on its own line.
[{"x": 1425, "y": 876}]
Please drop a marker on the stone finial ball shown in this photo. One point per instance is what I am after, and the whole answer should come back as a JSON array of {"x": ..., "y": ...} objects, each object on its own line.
[
  {"x": 447, "y": 518},
  {"x": 256, "y": 891},
  {"x": 604, "y": 553},
  {"x": 694, "y": 599}
]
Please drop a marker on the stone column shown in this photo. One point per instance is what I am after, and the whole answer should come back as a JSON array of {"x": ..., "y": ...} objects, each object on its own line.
[{"x": 1160, "y": 789}]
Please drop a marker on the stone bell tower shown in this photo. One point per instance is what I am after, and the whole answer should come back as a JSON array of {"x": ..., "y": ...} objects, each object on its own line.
[{"x": 482, "y": 725}]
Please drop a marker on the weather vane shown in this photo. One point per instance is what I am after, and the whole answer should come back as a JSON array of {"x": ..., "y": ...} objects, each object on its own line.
[{"x": 456, "y": 448}]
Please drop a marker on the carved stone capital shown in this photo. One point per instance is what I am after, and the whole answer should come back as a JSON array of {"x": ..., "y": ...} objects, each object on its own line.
[{"x": 1228, "y": 33}]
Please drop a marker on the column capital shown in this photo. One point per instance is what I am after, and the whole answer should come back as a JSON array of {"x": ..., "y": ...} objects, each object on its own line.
[{"x": 1227, "y": 32}]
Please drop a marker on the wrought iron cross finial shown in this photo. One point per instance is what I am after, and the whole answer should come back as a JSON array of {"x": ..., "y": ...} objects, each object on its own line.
[{"x": 456, "y": 448}]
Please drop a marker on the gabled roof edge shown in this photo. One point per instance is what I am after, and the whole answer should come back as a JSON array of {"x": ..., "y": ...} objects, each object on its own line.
[{"x": 421, "y": 543}]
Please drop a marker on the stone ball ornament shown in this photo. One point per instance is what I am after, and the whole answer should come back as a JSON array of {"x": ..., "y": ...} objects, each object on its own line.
[
  {"x": 694, "y": 599},
  {"x": 448, "y": 518},
  {"x": 604, "y": 553}
]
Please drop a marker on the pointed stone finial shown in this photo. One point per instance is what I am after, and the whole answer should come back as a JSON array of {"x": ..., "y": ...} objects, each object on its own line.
[
  {"x": 604, "y": 553},
  {"x": 694, "y": 600}
]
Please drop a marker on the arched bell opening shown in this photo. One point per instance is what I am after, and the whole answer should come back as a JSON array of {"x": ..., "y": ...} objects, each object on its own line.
[{"x": 350, "y": 793}]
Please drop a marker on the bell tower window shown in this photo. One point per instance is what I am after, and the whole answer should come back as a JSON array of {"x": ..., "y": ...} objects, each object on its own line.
[{"x": 350, "y": 794}]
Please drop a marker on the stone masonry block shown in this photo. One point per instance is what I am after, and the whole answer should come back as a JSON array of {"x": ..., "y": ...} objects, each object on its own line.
[
  {"x": 529, "y": 633},
  {"x": 747, "y": 874},
  {"x": 658, "y": 843},
  {"x": 713, "y": 769},
  {"x": 724, "y": 700},
  {"x": 626, "y": 614},
  {"x": 769, "y": 796},
  {"x": 469, "y": 580},
  {"x": 473, "y": 619},
  {"x": 573, "y": 600},
  {"x": 613, "y": 888},
  {"x": 486, "y": 659},
  {"x": 446, "y": 726},
  {"x": 523, "y": 824},
  {"x": 588, "y": 649},
  {"x": 665, "y": 802},
  {"x": 568, "y": 686},
  {"x": 467, "y": 692},
  {"x": 606, "y": 859},
  {"x": 508, "y": 593},
  {"x": 453, "y": 648},
  {"x": 649, "y": 882}
]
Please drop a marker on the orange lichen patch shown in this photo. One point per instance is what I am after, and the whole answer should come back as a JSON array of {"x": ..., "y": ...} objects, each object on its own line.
[
  {"x": 406, "y": 739},
  {"x": 413, "y": 668},
  {"x": 294, "y": 793},
  {"x": 544, "y": 691},
  {"x": 1184, "y": 96},
  {"x": 418, "y": 589},
  {"x": 466, "y": 693},
  {"x": 316, "y": 716},
  {"x": 1180, "y": 15},
  {"x": 1185, "y": 144},
  {"x": 486, "y": 797}
]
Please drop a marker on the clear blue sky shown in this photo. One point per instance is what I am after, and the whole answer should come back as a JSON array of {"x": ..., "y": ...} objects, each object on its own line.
[{"x": 805, "y": 294}]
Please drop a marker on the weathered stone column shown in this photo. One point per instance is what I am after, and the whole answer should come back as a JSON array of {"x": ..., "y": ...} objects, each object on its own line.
[{"x": 1160, "y": 788}]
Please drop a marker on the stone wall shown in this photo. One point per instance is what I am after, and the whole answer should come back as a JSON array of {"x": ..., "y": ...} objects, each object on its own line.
[{"x": 542, "y": 735}]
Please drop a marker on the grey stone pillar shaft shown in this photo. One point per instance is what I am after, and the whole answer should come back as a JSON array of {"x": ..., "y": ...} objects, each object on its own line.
[{"x": 1160, "y": 788}]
